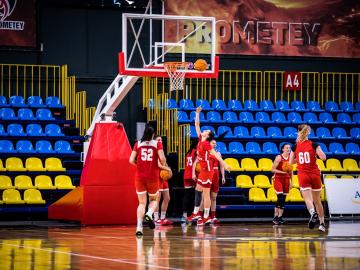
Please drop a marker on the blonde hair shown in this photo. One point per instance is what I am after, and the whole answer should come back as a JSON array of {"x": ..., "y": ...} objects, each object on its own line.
[{"x": 303, "y": 133}]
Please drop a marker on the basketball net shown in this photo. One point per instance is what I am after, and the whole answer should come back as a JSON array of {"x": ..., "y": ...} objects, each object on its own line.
[{"x": 176, "y": 71}]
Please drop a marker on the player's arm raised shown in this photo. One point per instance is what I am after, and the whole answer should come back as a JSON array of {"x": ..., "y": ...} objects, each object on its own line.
[
  {"x": 275, "y": 164},
  {"x": 219, "y": 158},
  {"x": 197, "y": 121}
]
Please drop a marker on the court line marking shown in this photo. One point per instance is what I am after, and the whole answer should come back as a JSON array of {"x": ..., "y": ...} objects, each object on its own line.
[{"x": 95, "y": 257}]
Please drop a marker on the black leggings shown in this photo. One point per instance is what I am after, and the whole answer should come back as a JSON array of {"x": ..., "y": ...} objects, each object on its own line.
[{"x": 188, "y": 201}]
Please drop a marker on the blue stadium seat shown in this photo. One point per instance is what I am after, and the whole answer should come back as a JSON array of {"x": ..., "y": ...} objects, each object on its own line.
[
  {"x": 275, "y": 133},
  {"x": 150, "y": 103},
  {"x": 279, "y": 117},
  {"x": 246, "y": 117},
  {"x": 326, "y": 118},
  {"x": 2, "y": 131},
  {"x": 193, "y": 132},
  {"x": 263, "y": 117},
  {"x": 355, "y": 133},
  {"x": 24, "y": 146},
  {"x": 312, "y": 135},
  {"x": 270, "y": 148},
  {"x": 313, "y": 106},
  {"x": 214, "y": 117},
  {"x": 63, "y": 147},
  {"x": 221, "y": 147},
  {"x": 267, "y": 105},
  {"x": 35, "y": 102},
  {"x": 332, "y": 106},
  {"x": 295, "y": 118},
  {"x": 17, "y": 101},
  {"x": 251, "y": 105},
  {"x": 290, "y": 132},
  {"x": 25, "y": 114},
  {"x": 7, "y": 114},
  {"x": 186, "y": 104},
  {"x": 171, "y": 103},
  {"x": 325, "y": 149},
  {"x": 283, "y": 105},
  {"x": 311, "y": 118},
  {"x": 340, "y": 133},
  {"x": 44, "y": 147},
  {"x": 219, "y": 105},
  {"x": 298, "y": 106},
  {"x": 258, "y": 132},
  {"x": 183, "y": 117},
  {"x": 204, "y": 104},
  {"x": 235, "y": 105},
  {"x": 347, "y": 106},
  {"x": 34, "y": 130},
  {"x": 241, "y": 132},
  {"x": 3, "y": 102},
  {"x": 357, "y": 106},
  {"x": 337, "y": 149},
  {"x": 202, "y": 117},
  {"x": 15, "y": 130},
  {"x": 253, "y": 148},
  {"x": 207, "y": 128},
  {"x": 53, "y": 102},
  {"x": 53, "y": 130},
  {"x": 227, "y": 130},
  {"x": 352, "y": 148},
  {"x": 44, "y": 114},
  {"x": 230, "y": 117},
  {"x": 6, "y": 146},
  {"x": 356, "y": 118},
  {"x": 236, "y": 148},
  {"x": 324, "y": 133},
  {"x": 344, "y": 118}
]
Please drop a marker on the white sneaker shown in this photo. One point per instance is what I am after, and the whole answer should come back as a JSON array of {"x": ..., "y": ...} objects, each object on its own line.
[{"x": 322, "y": 227}]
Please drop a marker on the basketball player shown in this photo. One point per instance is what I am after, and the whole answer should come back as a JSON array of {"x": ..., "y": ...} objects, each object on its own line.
[
  {"x": 281, "y": 182},
  {"x": 164, "y": 193},
  {"x": 204, "y": 149},
  {"x": 304, "y": 154},
  {"x": 145, "y": 156}
]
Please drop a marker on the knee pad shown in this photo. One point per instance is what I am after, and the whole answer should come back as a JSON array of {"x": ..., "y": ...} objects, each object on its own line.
[
  {"x": 198, "y": 198},
  {"x": 281, "y": 201}
]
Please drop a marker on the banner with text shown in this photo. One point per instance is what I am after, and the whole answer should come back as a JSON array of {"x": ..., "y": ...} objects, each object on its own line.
[{"x": 274, "y": 27}]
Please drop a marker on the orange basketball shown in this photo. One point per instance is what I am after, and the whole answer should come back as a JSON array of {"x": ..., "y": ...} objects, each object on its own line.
[
  {"x": 286, "y": 167},
  {"x": 198, "y": 168},
  {"x": 165, "y": 175},
  {"x": 200, "y": 65}
]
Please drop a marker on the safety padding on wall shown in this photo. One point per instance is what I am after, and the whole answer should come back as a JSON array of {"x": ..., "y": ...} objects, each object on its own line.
[{"x": 107, "y": 181}]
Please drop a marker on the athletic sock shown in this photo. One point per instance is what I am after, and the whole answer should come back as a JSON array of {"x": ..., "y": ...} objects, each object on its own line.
[
  {"x": 196, "y": 209},
  {"x": 184, "y": 214},
  {"x": 163, "y": 215},
  {"x": 312, "y": 211},
  {"x": 206, "y": 212},
  {"x": 156, "y": 215},
  {"x": 140, "y": 222}
]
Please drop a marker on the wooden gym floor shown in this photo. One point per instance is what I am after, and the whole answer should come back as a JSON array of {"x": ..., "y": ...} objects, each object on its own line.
[{"x": 228, "y": 246}]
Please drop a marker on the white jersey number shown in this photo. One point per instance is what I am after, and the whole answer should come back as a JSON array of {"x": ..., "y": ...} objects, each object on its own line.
[
  {"x": 304, "y": 157},
  {"x": 147, "y": 154}
]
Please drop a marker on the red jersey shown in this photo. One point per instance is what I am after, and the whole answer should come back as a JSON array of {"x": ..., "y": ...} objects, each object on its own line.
[
  {"x": 189, "y": 159},
  {"x": 147, "y": 159},
  {"x": 279, "y": 167},
  {"x": 305, "y": 154},
  {"x": 203, "y": 149}
]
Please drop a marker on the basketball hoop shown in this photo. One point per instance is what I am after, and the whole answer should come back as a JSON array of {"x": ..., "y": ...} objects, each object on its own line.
[{"x": 176, "y": 71}]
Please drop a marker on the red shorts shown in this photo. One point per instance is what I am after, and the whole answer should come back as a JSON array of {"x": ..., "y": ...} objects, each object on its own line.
[
  {"x": 144, "y": 186},
  {"x": 310, "y": 181},
  {"x": 215, "y": 182},
  {"x": 163, "y": 185},
  {"x": 189, "y": 183},
  {"x": 205, "y": 178},
  {"x": 281, "y": 185}
]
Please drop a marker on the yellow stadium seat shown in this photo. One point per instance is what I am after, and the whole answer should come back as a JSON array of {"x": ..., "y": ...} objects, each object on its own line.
[
  {"x": 12, "y": 196},
  {"x": 271, "y": 194},
  {"x": 321, "y": 165},
  {"x": 234, "y": 164},
  {"x": 294, "y": 196},
  {"x": 34, "y": 164},
  {"x": 33, "y": 196},
  {"x": 330, "y": 176},
  {"x": 249, "y": 164},
  {"x": 1, "y": 202},
  {"x": 265, "y": 164},
  {"x": 350, "y": 164},
  {"x": 347, "y": 177},
  {"x": 2, "y": 168},
  {"x": 54, "y": 164},
  {"x": 244, "y": 181},
  {"x": 262, "y": 181},
  {"x": 334, "y": 165},
  {"x": 15, "y": 164},
  {"x": 295, "y": 181},
  {"x": 294, "y": 167},
  {"x": 63, "y": 182},
  {"x": 5, "y": 182},
  {"x": 257, "y": 195},
  {"x": 43, "y": 182},
  {"x": 23, "y": 182}
]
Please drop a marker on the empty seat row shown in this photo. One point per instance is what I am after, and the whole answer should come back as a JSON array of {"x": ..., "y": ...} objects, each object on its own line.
[
  {"x": 265, "y": 118},
  {"x": 258, "y": 195},
  {"x": 264, "y": 105},
  {"x": 25, "y": 114},
  {"x": 32, "y": 164},
  {"x": 32, "y": 101},
  {"x": 22, "y": 182},
  {"x": 43, "y": 147},
  {"x": 31, "y": 130},
  {"x": 31, "y": 196}
]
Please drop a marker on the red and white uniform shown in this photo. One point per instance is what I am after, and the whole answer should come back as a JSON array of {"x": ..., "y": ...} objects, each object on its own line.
[
  {"x": 206, "y": 172},
  {"x": 189, "y": 159},
  {"x": 215, "y": 180},
  {"x": 308, "y": 171},
  {"x": 281, "y": 181},
  {"x": 147, "y": 170}
]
